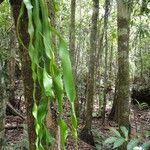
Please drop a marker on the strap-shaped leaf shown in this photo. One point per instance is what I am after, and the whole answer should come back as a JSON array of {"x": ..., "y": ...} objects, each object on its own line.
[
  {"x": 67, "y": 71},
  {"x": 147, "y": 133},
  {"x": 63, "y": 132},
  {"x": 110, "y": 140},
  {"x": 47, "y": 83},
  {"x": 115, "y": 132},
  {"x": 68, "y": 83},
  {"x": 125, "y": 131},
  {"x": 58, "y": 87},
  {"x": 132, "y": 144},
  {"x": 119, "y": 142},
  {"x": 146, "y": 145}
]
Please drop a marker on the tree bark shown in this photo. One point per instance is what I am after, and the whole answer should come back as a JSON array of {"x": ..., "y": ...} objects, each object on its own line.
[
  {"x": 114, "y": 111},
  {"x": 11, "y": 66},
  {"x": 51, "y": 117},
  {"x": 123, "y": 62},
  {"x": 107, "y": 5},
  {"x": 123, "y": 94},
  {"x": 2, "y": 108},
  {"x": 72, "y": 49},
  {"x": 72, "y": 34},
  {"x": 86, "y": 134},
  {"x": 26, "y": 69},
  {"x": 90, "y": 86}
]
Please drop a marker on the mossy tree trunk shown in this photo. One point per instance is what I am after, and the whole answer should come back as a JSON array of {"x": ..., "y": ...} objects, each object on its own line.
[
  {"x": 114, "y": 110},
  {"x": 123, "y": 92},
  {"x": 26, "y": 69},
  {"x": 2, "y": 103},
  {"x": 107, "y": 8},
  {"x": 123, "y": 62},
  {"x": 122, "y": 81},
  {"x": 86, "y": 133}
]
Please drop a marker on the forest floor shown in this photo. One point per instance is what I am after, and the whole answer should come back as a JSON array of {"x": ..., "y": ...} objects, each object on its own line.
[
  {"x": 16, "y": 130},
  {"x": 16, "y": 136}
]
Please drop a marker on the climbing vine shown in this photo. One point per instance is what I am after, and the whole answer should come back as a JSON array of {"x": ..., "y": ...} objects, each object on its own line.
[{"x": 52, "y": 79}]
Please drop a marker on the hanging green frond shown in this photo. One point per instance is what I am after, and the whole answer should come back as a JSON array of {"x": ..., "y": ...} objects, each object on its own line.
[{"x": 46, "y": 73}]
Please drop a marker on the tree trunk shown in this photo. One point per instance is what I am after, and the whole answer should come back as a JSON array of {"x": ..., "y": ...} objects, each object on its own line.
[
  {"x": 107, "y": 5},
  {"x": 98, "y": 67},
  {"x": 51, "y": 117},
  {"x": 2, "y": 108},
  {"x": 72, "y": 34},
  {"x": 114, "y": 111},
  {"x": 26, "y": 69},
  {"x": 123, "y": 62},
  {"x": 72, "y": 49},
  {"x": 86, "y": 133},
  {"x": 123, "y": 94},
  {"x": 110, "y": 62},
  {"x": 11, "y": 67}
]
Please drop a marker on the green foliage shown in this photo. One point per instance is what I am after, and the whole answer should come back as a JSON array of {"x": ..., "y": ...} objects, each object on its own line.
[
  {"x": 47, "y": 73},
  {"x": 98, "y": 138},
  {"x": 133, "y": 143},
  {"x": 118, "y": 138},
  {"x": 5, "y": 23},
  {"x": 142, "y": 106},
  {"x": 125, "y": 132}
]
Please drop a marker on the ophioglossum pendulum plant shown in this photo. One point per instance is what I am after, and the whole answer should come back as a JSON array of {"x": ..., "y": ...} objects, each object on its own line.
[{"x": 53, "y": 80}]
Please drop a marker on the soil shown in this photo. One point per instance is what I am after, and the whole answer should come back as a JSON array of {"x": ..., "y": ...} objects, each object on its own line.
[
  {"x": 140, "y": 121},
  {"x": 16, "y": 133}
]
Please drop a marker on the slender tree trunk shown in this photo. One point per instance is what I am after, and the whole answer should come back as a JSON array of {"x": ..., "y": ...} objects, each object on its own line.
[
  {"x": 2, "y": 107},
  {"x": 72, "y": 48},
  {"x": 98, "y": 67},
  {"x": 72, "y": 34},
  {"x": 123, "y": 94},
  {"x": 90, "y": 88},
  {"x": 110, "y": 62},
  {"x": 114, "y": 111},
  {"x": 26, "y": 69},
  {"x": 11, "y": 67},
  {"x": 141, "y": 59},
  {"x": 86, "y": 134},
  {"x": 107, "y": 5}
]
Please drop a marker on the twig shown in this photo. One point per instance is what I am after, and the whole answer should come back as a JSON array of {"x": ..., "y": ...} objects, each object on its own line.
[{"x": 15, "y": 112}]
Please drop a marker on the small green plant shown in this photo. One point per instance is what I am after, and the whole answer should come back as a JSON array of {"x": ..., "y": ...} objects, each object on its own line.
[
  {"x": 142, "y": 106},
  {"x": 117, "y": 139},
  {"x": 98, "y": 138}
]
